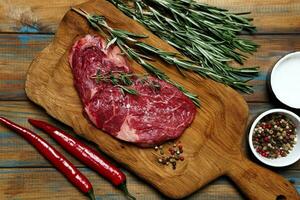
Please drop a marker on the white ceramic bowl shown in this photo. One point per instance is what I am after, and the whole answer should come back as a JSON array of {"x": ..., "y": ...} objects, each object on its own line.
[
  {"x": 293, "y": 156},
  {"x": 284, "y": 80}
]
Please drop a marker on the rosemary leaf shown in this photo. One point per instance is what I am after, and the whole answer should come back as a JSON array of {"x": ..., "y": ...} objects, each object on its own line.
[
  {"x": 128, "y": 90},
  {"x": 111, "y": 42}
]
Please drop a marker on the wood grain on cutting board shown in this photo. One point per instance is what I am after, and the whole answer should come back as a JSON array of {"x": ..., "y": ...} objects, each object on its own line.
[{"x": 212, "y": 143}]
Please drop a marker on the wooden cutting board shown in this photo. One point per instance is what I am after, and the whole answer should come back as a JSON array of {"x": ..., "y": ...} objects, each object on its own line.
[{"x": 212, "y": 144}]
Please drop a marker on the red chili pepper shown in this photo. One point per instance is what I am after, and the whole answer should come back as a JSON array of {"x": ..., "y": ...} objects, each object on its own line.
[
  {"x": 57, "y": 159},
  {"x": 85, "y": 154}
]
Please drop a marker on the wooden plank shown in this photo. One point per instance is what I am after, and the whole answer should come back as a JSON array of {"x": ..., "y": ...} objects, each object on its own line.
[
  {"x": 18, "y": 50},
  {"x": 270, "y": 16},
  {"x": 280, "y": 16},
  {"x": 47, "y": 183},
  {"x": 16, "y": 53},
  {"x": 15, "y": 152},
  {"x": 32, "y": 15}
]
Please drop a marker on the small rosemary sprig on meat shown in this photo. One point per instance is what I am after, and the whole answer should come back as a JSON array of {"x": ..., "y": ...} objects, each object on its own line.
[
  {"x": 125, "y": 80},
  {"x": 121, "y": 80},
  {"x": 123, "y": 38}
]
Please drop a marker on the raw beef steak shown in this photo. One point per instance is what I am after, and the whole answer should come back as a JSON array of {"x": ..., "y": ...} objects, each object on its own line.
[{"x": 147, "y": 119}]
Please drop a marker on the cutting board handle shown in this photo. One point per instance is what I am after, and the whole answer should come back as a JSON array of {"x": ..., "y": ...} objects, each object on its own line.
[{"x": 260, "y": 183}]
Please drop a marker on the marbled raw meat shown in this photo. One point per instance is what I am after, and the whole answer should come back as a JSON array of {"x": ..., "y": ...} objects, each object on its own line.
[{"x": 149, "y": 118}]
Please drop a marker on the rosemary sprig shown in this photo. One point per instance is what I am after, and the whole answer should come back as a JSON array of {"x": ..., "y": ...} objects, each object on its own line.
[
  {"x": 121, "y": 80},
  {"x": 207, "y": 35},
  {"x": 122, "y": 38},
  {"x": 125, "y": 80}
]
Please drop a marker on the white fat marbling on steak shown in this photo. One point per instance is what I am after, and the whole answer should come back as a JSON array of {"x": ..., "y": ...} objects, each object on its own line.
[{"x": 127, "y": 133}]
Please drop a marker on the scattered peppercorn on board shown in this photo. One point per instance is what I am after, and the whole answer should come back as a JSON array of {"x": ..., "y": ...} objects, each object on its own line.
[{"x": 212, "y": 145}]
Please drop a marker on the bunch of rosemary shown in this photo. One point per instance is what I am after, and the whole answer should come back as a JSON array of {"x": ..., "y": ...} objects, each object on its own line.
[
  {"x": 207, "y": 35},
  {"x": 124, "y": 38}
]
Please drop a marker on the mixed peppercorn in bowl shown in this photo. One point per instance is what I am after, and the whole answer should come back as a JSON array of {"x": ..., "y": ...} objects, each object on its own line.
[{"x": 273, "y": 137}]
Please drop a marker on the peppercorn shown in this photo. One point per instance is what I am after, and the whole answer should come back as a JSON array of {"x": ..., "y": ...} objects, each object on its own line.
[
  {"x": 274, "y": 136},
  {"x": 172, "y": 151},
  {"x": 174, "y": 165},
  {"x": 161, "y": 152},
  {"x": 175, "y": 154}
]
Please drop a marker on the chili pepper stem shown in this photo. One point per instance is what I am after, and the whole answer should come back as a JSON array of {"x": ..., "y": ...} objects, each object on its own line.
[
  {"x": 91, "y": 195},
  {"x": 123, "y": 187}
]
